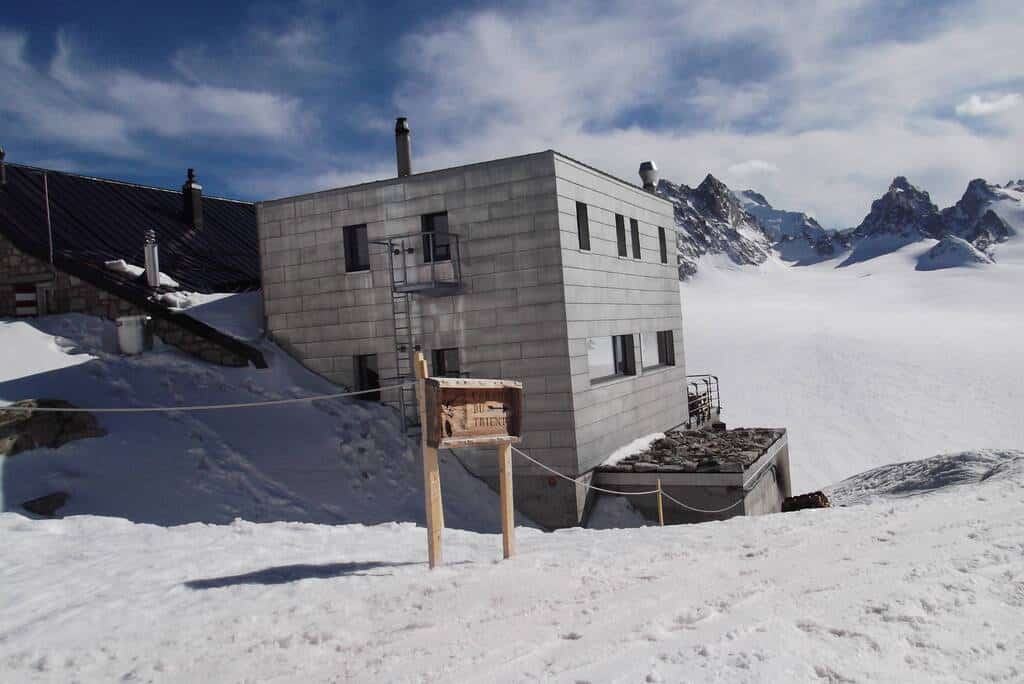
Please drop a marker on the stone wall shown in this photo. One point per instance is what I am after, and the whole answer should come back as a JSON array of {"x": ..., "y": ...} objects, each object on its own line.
[{"x": 73, "y": 295}]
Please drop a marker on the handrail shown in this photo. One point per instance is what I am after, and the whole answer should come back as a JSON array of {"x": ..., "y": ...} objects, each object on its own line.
[{"x": 703, "y": 397}]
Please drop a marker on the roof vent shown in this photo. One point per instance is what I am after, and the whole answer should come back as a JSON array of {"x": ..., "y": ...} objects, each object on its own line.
[
  {"x": 649, "y": 175},
  {"x": 403, "y": 146},
  {"x": 152, "y": 260},
  {"x": 192, "y": 195}
]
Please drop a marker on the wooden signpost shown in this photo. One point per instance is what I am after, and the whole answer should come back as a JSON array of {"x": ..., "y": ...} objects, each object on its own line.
[{"x": 463, "y": 412}]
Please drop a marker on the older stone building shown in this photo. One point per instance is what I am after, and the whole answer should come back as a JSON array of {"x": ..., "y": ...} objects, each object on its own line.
[
  {"x": 537, "y": 268},
  {"x": 71, "y": 243}
]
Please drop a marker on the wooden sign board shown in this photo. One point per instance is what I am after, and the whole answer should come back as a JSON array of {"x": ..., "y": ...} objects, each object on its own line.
[{"x": 464, "y": 412}]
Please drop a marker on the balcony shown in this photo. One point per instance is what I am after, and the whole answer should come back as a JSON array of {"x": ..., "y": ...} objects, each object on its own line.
[{"x": 425, "y": 263}]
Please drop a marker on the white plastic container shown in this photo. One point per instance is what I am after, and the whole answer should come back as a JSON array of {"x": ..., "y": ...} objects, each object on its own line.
[{"x": 133, "y": 334}]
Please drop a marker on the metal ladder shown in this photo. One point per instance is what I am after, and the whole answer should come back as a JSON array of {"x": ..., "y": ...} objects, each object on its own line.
[{"x": 405, "y": 334}]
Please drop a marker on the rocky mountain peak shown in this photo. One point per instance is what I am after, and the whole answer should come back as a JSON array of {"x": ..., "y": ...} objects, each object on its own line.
[{"x": 904, "y": 210}]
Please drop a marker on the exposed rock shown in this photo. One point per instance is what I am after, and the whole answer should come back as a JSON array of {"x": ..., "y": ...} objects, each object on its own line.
[
  {"x": 802, "y": 501},
  {"x": 903, "y": 215},
  {"x": 711, "y": 220},
  {"x": 47, "y": 505},
  {"x": 25, "y": 430}
]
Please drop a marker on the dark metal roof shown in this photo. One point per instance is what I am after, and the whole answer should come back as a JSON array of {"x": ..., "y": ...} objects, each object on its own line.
[{"x": 96, "y": 220}]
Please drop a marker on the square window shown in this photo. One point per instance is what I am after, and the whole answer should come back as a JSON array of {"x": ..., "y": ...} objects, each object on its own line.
[
  {"x": 583, "y": 225},
  {"x": 436, "y": 243},
  {"x": 620, "y": 234},
  {"x": 446, "y": 363},
  {"x": 357, "y": 248},
  {"x": 657, "y": 349},
  {"x": 608, "y": 357},
  {"x": 634, "y": 229}
]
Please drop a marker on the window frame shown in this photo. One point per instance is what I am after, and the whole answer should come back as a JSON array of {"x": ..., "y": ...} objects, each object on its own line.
[
  {"x": 435, "y": 249},
  {"x": 662, "y": 244},
  {"x": 350, "y": 239},
  {"x": 583, "y": 226},
  {"x": 620, "y": 235},
  {"x": 634, "y": 232}
]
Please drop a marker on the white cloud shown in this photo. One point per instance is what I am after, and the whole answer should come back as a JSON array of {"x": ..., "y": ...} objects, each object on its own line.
[
  {"x": 976, "y": 105},
  {"x": 75, "y": 102},
  {"x": 752, "y": 167}
]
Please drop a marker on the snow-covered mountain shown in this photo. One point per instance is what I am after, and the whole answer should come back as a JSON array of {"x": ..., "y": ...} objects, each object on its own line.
[
  {"x": 796, "y": 236},
  {"x": 711, "y": 220},
  {"x": 744, "y": 226}
]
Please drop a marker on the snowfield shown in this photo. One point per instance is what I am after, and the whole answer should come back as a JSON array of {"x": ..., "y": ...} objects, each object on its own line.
[
  {"x": 867, "y": 364},
  {"x": 926, "y": 587}
]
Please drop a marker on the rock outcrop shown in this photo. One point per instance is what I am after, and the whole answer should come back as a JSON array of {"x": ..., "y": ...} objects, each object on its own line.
[{"x": 22, "y": 430}]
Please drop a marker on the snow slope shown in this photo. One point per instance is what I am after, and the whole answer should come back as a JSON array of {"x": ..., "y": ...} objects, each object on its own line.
[
  {"x": 329, "y": 461},
  {"x": 927, "y": 588},
  {"x": 866, "y": 365}
]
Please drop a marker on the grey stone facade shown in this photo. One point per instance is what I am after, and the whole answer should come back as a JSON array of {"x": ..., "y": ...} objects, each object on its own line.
[{"x": 529, "y": 302}]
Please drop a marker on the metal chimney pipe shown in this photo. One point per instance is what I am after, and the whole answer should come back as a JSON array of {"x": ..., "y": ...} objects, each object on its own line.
[
  {"x": 152, "y": 260},
  {"x": 403, "y": 146},
  {"x": 649, "y": 175}
]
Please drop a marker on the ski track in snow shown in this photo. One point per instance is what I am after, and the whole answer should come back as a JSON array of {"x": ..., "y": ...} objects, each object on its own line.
[{"x": 927, "y": 588}]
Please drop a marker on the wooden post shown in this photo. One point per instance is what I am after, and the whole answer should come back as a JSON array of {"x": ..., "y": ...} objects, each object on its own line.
[
  {"x": 431, "y": 471},
  {"x": 661, "y": 511},
  {"x": 508, "y": 511}
]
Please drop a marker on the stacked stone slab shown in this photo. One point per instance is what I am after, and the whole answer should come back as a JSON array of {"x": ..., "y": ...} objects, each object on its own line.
[{"x": 530, "y": 300}]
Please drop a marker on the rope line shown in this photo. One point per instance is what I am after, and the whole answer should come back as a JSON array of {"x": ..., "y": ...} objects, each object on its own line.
[
  {"x": 616, "y": 493},
  {"x": 576, "y": 481},
  {"x": 206, "y": 407}
]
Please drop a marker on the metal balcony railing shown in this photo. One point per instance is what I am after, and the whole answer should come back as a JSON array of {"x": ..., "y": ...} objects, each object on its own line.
[
  {"x": 427, "y": 263},
  {"x": 703, "y": 400}
]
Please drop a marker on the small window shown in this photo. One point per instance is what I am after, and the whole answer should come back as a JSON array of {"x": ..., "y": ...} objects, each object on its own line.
[
  {"x": 436, "y": 243},
  {"x": 357, "y": 249},
  {"x": 367, "y": 376},
  {"x": 583, "y": 225},
  {"x": 662, "y": 245},
  {"x": 620, "y": 234},
  {"x": 657, "y": 349},
  {"x": 608, "y": 357},
  {"x": 634, "y": 229},
  {"x": 446, "y": 363}
]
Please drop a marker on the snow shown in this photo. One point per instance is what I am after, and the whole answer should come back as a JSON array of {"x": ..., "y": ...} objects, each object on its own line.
[
  {"x": 921, "y": 588},
  {"x": 327, "y": 461},
  {"x": 866, "y": 365},
  {"x": 951, "y": 252},
  {"x": 122, "y": 266},
  {"x": 239, "y": 314},
  {"x": 634, "y": 447}
]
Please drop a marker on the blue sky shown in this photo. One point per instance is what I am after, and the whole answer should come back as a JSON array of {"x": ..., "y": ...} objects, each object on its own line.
[{"x": 816, "y": 104}]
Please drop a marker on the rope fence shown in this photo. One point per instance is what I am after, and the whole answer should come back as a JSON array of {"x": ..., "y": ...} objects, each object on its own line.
[
  {"x": 202, "y": 407},
  {"x": 658, "y": 491},
  {"x": 337, "y": 395}
]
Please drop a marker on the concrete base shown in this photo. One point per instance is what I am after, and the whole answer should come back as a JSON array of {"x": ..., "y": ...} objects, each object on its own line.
[
  {"x": 758, "y": 491},
  {"x": 551, "y": 502}
]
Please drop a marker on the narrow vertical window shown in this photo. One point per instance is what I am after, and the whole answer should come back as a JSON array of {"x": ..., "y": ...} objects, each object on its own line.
[
  {"x": 583, "y": 225},
  {"x": 662, "y": 245},
  {"x": 666, "y": 348},
  {"x": 357, "y": 249},
  {"x": 625, "y": 355},
  {"x": 367, "y": 376},
  {"x": 436, "y": 244},
  {"x": 634, "y": 229},
  {"x": 620, "y": 234}
]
